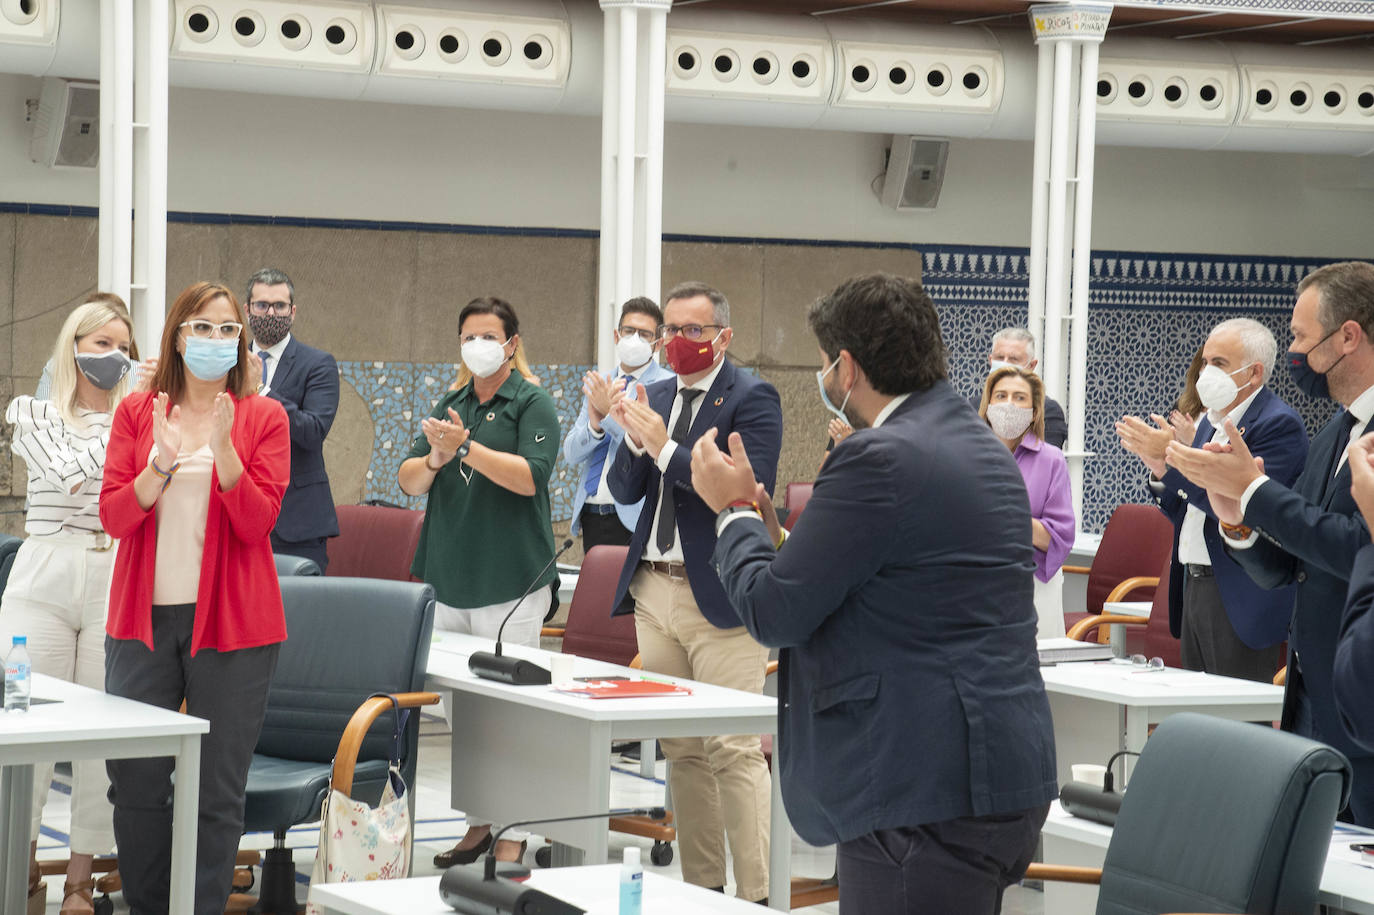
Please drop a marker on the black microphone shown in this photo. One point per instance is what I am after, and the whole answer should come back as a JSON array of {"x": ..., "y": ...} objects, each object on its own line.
[
  {"x": 495, "y": 665},
  {"x": 1089, "y": 802},
  {"x": 478, "y": 889}
]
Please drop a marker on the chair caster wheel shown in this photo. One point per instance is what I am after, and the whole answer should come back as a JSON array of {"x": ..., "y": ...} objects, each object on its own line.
[
  {"x": 661, "y": 854},
  {"x": 104, "y": 906},
  {"x": 544, "y": 856}
]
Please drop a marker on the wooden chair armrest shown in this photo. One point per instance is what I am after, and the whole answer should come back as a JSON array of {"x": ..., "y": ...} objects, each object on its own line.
[
  {"x": 1132, "y": 584},
  {"x": 1064, "y": 873},
  {"x": 346, "y": 757},
  {"x": 637, "y": 662},
  {"x": 1076, "y": 570},
  {"x": 1097, "y": 620},
  {"x": 552, "y": 632},
  {"x": 1281, "y": 678},
  {"x": 770, "y": 668}
]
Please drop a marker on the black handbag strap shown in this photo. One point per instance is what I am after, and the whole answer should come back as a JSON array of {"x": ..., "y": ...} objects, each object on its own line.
[{"x": 400, "y": 717}]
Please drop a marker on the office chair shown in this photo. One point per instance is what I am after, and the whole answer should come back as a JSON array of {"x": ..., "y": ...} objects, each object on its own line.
[
  {"x": 794, "y": 499},
  {"x": 294, "y": 565},
  {"x": 1149, "y": 636},
  {"x": 1273, "y": 796},
  {"x": 1135, "y": 542},
  {"x": 592, "y": 632},
  {"x": 349, "y": 638},
  {"x": 375, "y": 541}
]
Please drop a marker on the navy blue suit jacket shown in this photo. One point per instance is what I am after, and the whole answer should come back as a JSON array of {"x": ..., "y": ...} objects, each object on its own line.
[
  {"x": 1310, "y": 535},
  {"x": 737, "y": 402},
  {"x": 1274, "y": 431},
  {"x": 306, "y": 383},
  {"x": 1354, "y": 669},
  {"x": 909, "y": 688}
]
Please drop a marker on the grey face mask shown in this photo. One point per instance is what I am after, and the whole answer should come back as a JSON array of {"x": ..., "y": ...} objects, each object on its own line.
[{"x": 104, "y": 370}]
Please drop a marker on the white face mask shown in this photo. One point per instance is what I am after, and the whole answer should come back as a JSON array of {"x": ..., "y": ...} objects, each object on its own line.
[
  {"x": 995, "y": 364},
  {"x": 633, "y": 351},
  {"x": 1217, "y": 388},
  {"x": 483, "y": 357},
  {"x": 1009, "y": 421}
]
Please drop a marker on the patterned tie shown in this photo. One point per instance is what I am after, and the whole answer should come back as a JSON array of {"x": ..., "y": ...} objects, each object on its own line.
[
  {"x": 667, "y": 511},
  {"x": 598, "y": 460}
]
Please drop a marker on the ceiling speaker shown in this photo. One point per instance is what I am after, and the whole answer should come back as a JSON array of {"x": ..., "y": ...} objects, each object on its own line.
[
  {"x": 66, "y": 125},
  {"x": 915, "y": 172}
]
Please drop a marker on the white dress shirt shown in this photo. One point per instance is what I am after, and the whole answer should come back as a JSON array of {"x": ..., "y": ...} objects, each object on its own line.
[
  {"x": 1192, "y": 548},
  {"x": 269, "y": 369},
  {"x": 603, "y": 492}
]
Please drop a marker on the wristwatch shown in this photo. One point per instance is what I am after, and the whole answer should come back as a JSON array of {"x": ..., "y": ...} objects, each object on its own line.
[{"x": 463, "y": 449}]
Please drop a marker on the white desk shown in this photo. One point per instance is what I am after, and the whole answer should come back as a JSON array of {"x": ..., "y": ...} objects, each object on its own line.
[
  {"x": 525, "y": 752},
  {"x": 87, "y": 724},
  {"x": 595, "y": 889},
  {"x": 1102, "y": 707},
  {"x": 1347, "y": 885}
]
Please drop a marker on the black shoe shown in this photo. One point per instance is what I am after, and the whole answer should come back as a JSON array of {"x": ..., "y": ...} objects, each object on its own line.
[
  {"x": 457, "y": 855},
  {"x": 631, "y": 750}
]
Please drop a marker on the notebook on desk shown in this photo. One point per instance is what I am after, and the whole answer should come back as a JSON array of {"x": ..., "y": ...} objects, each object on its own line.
[
  {"x": 622, "y": 689},
  {"x": 1055, "y": 651}
]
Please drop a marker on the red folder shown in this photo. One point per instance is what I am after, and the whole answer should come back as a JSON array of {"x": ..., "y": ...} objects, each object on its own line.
[{"x": 622, "y": 689}]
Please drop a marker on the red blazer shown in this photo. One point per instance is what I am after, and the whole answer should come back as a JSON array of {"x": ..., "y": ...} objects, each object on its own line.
[{"x": 239, "y": 602}]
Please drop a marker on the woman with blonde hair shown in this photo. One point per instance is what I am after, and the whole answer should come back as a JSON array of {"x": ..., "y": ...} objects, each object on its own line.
[
  {"x": 1013, "y": 405},
  {"x": 58, "y": 586},
  {"x": 193, "y": 485}
]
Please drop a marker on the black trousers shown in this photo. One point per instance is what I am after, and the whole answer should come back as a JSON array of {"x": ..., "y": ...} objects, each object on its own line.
[
  {"x": 960, "y": 865},
  {"x": 1209, "y": 642},
  {"x": 306, "y": 549},
  {"x": 603, "y": 530},
  {"x": 229, "y": 689}
]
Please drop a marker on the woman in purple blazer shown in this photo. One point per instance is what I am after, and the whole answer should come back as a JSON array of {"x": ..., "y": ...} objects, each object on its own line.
[{"x": 1013, "y": 404}]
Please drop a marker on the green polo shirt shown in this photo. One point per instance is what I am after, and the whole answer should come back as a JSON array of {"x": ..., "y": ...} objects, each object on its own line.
[{"x": 482, "y": 544}]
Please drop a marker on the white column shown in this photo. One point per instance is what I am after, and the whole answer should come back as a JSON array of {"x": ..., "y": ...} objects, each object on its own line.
[
  {"x": 105, "y": 256},
  {"x": 1082, "y": 264},
  {"x": 116, "y": 226},
  {"x": 1056, "y": 239},
  {"x": 1040, "y": 192},
  {"x": 632, "y": 159},
  {"x": 148, "y": 300}
]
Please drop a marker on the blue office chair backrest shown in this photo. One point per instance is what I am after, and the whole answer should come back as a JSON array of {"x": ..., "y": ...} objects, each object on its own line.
[
  {"x": 295, "y": 565},
  {"x": 346, "y": 638},
  {"x": 1223, "y": 816},
  {"x": 9, "y": 547}
]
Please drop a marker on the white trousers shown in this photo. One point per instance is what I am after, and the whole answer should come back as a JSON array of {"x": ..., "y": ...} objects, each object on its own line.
[
  {"x": 1049, "y": 607},
  {"x": 57, "y": 595}
]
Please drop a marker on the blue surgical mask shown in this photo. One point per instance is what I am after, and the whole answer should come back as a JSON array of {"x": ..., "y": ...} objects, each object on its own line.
[
  {"x": 825, "y": 398},
  {"x": 210, "y": 360},
  {"x": 1310, "y": 381}
]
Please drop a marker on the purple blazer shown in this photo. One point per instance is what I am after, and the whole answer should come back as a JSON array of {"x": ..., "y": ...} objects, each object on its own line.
[{"x": 1051, "y": 501}]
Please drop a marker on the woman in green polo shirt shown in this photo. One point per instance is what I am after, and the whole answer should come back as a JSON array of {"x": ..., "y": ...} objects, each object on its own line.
[{"x": 484, "y": 456}]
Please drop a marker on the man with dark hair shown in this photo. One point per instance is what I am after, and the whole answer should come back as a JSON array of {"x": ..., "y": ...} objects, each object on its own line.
[
  {"x": 305, "y": 381},
  {"x": 915, "y": 732},
  {"x": 595, "y": 436},
  {"x": 683, "y": 620},
  {"x": 1307, "y": 535}
]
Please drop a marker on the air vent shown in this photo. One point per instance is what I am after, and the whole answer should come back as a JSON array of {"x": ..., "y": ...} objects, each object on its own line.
[
  {"x": 780, "y": 69},
  {"x": 301, "y": 34},
  {"x": 29, "y": 21},
  {"x": 1166, "y": 92},
  {"x": 941, "y": 79},
  {"x": 473, "y": 46},
  {"x": 1307, "y": 98}
]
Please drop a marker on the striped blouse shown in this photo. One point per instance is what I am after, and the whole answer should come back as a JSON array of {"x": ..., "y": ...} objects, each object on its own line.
[{"x": 65, "y": 465}]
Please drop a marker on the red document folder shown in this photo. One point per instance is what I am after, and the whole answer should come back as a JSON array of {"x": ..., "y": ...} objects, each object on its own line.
[{"x": 622, "y": 689}]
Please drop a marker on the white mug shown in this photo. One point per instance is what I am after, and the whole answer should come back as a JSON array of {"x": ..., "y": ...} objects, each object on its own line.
[
  {"x": 561, "y": 667},
  {"x": 1090, "y": 773}
]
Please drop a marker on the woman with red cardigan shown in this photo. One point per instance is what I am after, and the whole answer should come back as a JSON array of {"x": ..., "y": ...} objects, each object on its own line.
[{"x": 194, "y": 477}]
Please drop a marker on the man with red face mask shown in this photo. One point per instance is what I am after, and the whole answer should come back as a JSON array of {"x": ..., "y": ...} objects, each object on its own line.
[{"x": 683, "y": 619}]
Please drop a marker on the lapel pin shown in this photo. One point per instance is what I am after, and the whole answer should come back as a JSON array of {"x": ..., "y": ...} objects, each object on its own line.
[
  {"x": 720, "y": 400},
  {"x": 490, "y": 417}
]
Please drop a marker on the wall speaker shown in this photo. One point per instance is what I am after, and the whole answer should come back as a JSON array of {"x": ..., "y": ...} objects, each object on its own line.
[
  {"x": 915, "y": 173},
  {"x": 66, "y": 124}
]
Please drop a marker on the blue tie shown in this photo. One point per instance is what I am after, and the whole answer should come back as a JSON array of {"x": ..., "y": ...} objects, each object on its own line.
[{"x": 598, "y": 461}]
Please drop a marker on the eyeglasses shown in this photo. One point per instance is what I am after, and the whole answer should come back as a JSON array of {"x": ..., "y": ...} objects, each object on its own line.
[
  {"x": 690, "y": 331},
  {"x": 205, "y": 330},
  {"x": 648, "y": 336},
  {"x": 1141, "y": 665},
  {"x": 277, "y": 308}
]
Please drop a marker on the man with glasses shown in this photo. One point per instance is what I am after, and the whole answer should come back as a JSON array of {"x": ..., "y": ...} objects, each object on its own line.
[
  {"x": 594, "y": 438},
  {"x": 683, "y": 619},
  {"x": 305, "y": 381}
]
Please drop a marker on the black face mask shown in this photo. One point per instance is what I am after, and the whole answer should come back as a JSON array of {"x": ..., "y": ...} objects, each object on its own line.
[
  {"x": 1309, "y": 380},
  {"x": 269, "y": 330}
]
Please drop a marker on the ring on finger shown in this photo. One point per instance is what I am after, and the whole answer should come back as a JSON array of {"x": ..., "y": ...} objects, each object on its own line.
[{"x": 442, "y": 434}]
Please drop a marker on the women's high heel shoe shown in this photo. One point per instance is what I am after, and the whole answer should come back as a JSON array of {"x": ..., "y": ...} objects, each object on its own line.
[
  {"x": 459, "y": 855},
  {"x": 76, "y": 898}
]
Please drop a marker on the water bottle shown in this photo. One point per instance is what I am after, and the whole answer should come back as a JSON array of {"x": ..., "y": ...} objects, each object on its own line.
[
  {"x": 631, "y": 883},
  {"x": 18, "y": 676}
]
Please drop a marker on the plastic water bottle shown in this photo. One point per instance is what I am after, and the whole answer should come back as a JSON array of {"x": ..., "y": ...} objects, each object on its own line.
[
  {"x": 631, "y": 883},
  {"x": 18, "y": 676}
]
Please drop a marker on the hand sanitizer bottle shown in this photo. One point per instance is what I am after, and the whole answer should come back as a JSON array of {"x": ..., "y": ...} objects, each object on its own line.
[{"x": 631, "y": 883}]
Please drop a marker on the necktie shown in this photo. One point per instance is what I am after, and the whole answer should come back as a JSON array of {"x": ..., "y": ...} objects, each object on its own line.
[
  {"x": 667, "y": 511},
  {"x": 263, "y": 356},
  {"x": 1347, "y": 422},
  {"x": 598, "y": 461}
]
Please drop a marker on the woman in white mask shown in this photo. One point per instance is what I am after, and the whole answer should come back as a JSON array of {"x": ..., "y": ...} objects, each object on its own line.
[
  {"x": 58, "y": 587},
  {"x": 1013, "y": 405},
  {"x": 483, "y": 459}
]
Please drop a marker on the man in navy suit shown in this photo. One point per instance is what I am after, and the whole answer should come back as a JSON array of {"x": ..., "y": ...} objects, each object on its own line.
[
  {"x": 1354, "y": 668},
  {"x": 683, "y": 620},
  {"x": 1228, "y": 625},
  {"x": 914, "y": 730},
  {"x": 305, "y": 381},
  {"x": 592, "y": 442},
  {"x": 1308, "y": 534}
]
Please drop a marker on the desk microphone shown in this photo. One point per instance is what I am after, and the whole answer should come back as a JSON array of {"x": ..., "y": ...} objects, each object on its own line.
[
  {"x": 495, "y": 665},
  {"x": 1089, "y": 802},
  {"x": 478, "y": 890}
]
